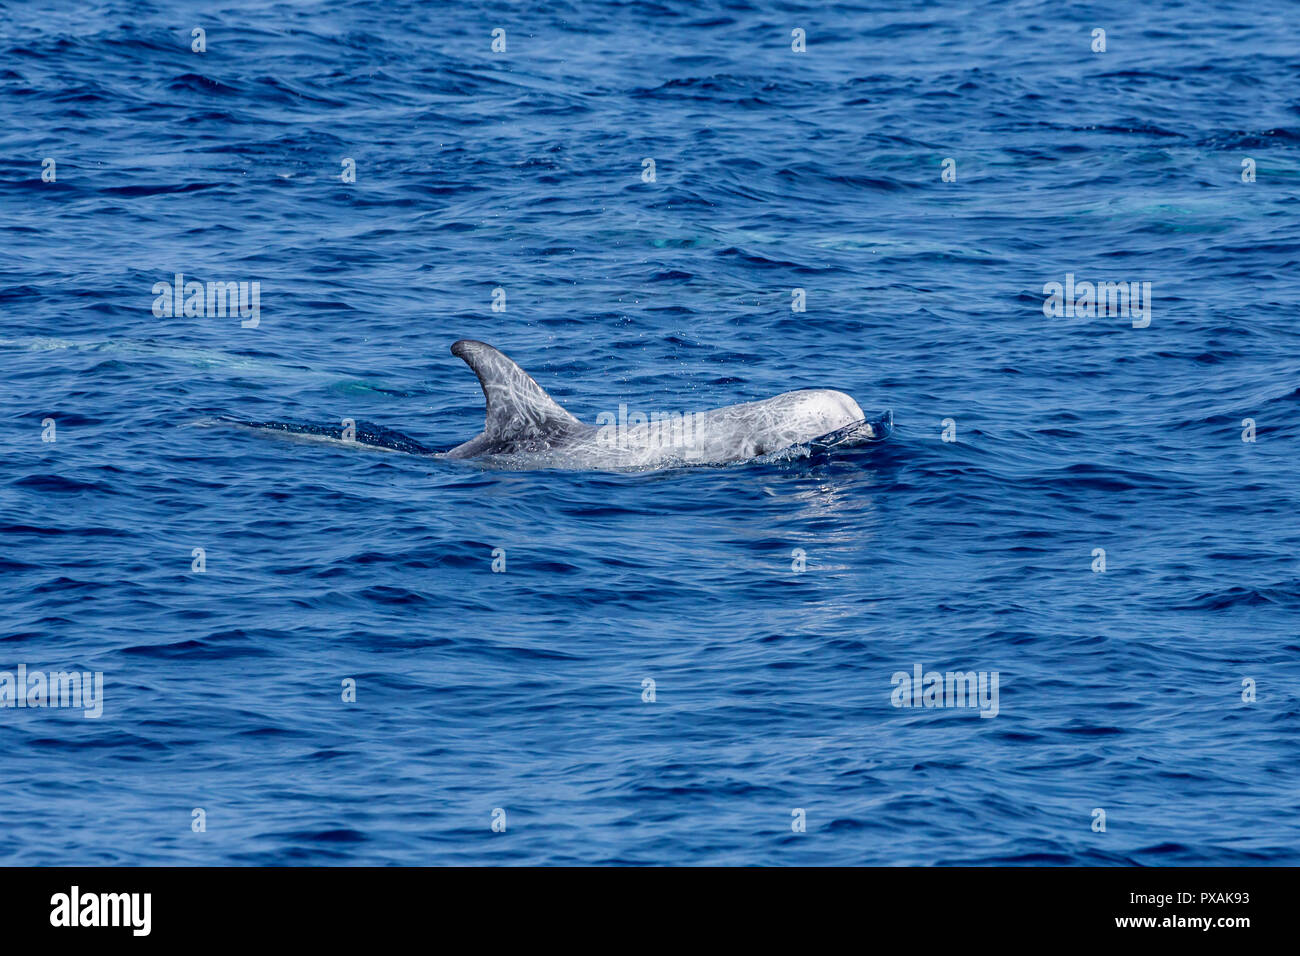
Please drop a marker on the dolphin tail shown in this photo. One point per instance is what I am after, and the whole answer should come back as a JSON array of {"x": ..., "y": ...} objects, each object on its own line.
[
  {"x": 361, "y": 433},
  {"x": 519, "y": 412}
]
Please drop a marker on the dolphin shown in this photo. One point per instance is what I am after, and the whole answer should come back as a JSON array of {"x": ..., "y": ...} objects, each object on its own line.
[{"x": 524, "y": 428}]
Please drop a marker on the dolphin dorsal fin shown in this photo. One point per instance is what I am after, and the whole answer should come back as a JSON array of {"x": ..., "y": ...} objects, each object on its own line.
[{"x": 517, "y": 407}]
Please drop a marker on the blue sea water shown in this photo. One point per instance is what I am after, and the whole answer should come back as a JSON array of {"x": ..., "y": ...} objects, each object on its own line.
[{"x": 1162, "y": 690}]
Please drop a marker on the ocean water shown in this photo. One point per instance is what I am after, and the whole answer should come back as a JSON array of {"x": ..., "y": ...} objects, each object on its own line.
[{"x": 1161, "y": 690}]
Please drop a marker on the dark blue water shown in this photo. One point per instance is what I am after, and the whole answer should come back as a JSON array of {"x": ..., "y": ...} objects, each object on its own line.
[{"x": 522, "y": 690}]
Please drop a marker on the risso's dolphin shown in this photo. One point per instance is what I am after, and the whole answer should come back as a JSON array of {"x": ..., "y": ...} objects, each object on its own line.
[{"x": 525, "y": 428}]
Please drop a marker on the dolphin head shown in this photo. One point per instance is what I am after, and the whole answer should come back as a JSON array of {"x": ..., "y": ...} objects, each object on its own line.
[{"x": 826, "y": 410}]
